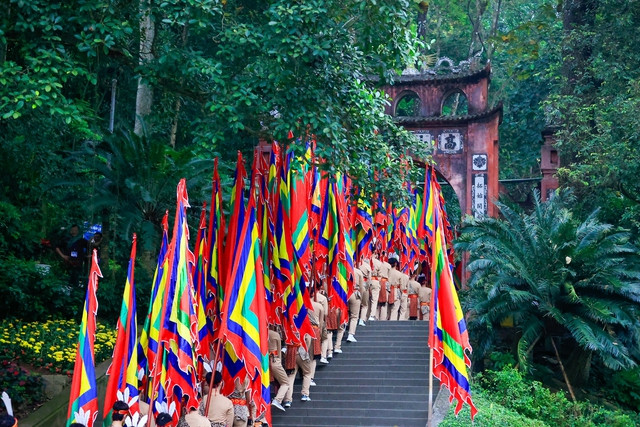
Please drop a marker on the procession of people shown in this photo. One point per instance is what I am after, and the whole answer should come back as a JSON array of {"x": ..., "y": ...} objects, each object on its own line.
[
  {"x": 406, "y": 297},
  {"x": 272, "y": 290}
]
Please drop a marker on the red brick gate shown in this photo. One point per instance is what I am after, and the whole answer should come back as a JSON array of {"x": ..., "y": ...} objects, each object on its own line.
[{"x": 451, "y": 112}]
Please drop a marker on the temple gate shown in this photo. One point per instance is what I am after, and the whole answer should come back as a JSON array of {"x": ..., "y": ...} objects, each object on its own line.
[{"x": 447, "y": 106}]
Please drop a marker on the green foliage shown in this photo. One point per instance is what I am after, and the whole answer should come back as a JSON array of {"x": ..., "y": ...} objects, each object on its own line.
[
  {"x": 490, "y": 414},
  {"x": 25, "y": 389},
  {"x": 558, "y": 278},
  {"x": 596, "y": 108},
  {"x": 498, "y": 360},
  {"x": 506, "y": 397},
  {"x": 132, "y": 183},
  {"x": 623, "y": 387},
  {"x": 14, "y": 238},
  {"x": 31, "y": 294},
  {"x": 223, "y": 74},
  {"x": 529, "y": 398}
]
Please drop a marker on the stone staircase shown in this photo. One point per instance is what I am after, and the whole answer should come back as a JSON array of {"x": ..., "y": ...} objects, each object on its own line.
[{"x": 382, "y": 380}]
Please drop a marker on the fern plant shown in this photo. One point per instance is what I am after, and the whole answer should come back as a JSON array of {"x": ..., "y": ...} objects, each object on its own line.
[{"x": 562, "y": 281}]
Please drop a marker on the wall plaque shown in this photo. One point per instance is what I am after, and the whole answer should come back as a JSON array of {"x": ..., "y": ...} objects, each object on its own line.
[
  {"x": 450, "y": 141},
  {"x": 479, "y": 195},
  {"x": 479, "y": 162},
  {"x": 425, "y": 137}
]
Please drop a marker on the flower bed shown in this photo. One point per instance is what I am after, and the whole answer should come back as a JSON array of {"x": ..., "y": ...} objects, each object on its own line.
[
  {"x": 26, "y": 390},
  {"x": 50, "y": 345}
]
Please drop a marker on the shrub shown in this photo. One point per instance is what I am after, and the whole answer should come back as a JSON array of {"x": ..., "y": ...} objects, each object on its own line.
[
  {"x": 624, "y": 388},
  {"x": 490, "y": 414},
  {"x": 31, "y": 295},
  {"x": 25, "y": 389},
  {"x": 529, "y": 398},
  {"x": 509, "y": 389}
]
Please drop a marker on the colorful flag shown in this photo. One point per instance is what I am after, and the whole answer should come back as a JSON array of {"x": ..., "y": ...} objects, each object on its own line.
[
  {"x": 448, "y": 338},
  {"x": 123, "y": 372},
  {"x": 363, "y": 223},
  {"x": 202, "y": 294},
  {"x": 429, "y": 199},
  {"x": 237, "y": 218},
  {"x": 271, "y": 264},
  {"x": 259, "y": 190},
  {"x": 325, "y": 227},
  {"x": 179, "y": 331},
  {"x": 299, "y": 221},
  {"x": 296, "y": 310},
  {"x": 244, "y": 314},
  {"x": 83, "y": 400},
  {"x": 338, "y": 292},
  {"x": 215, "y": 247},
  {"x": 317, "y": 194},
  {"x": 148, "y": 343}
]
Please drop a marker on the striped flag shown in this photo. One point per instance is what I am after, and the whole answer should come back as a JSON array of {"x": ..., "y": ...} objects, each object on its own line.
[
  {"x": 83, "y": 400},
  {"x": 237, "y": 219},
  {"x": 124, "y": 366},
  {"x": 299, "y": 221},
  {"x": 325, "y": 228},
  {"x": 260, "y": 192},
  {"x": 364, "y": 225},
  {"x": 271, "y": 264},
  {"x": 429, "y": 199},
  {"x": 179, "y": 327},
  {"x": 148, "y": 343},
  {"x": 339, "y": 289},
  {"x": 244, "y": 314},
  {"x": 380, "y": 223},
  {"x": 318, "y": 187},
  {"x": 448, "y": 336},
  {"x": 297, "y": 323},
  {"x": 203, "y": 296},
  {"x": 215, "y": 247}
]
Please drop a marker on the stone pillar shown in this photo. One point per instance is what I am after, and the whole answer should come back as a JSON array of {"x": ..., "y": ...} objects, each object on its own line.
[{"x": 549, "y": 164}]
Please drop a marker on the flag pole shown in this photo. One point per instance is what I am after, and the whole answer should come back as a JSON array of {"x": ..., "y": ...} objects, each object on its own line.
[
  {"x": 430, "y": 412},
  {"x": 156, "y": 379},
  {"x": 217, "y": 358}
]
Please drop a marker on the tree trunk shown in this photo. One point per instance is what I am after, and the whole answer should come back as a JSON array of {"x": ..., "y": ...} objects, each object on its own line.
[
  {"x": 578, "y": 366},
  {"x": 144, "y": 95},
  {"x": 178, "y": 104},
  {"x": 422, "y": 23},
  {"x": 106, "y": 237},
  {"x": 576, "y": 15}
]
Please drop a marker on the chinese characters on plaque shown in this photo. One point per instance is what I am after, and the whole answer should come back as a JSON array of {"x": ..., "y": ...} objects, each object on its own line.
[
  {"x": 479, "y": 195},
  {"x": 424, "y": 136},
  {"x": 450, "y": 141}
]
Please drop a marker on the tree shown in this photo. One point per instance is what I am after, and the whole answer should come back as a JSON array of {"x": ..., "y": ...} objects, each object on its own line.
[
  {"x": 563, "y": 281},
  {"x": 130, "y": 182},
  {"x": 596, "y": 107}
]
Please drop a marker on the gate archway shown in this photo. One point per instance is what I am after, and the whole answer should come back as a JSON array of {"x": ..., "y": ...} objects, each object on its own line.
[{"x": 464, "y": 146}]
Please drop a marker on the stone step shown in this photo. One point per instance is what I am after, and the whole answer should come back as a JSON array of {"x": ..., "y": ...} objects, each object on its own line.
[
  {"x": 354, "y": 389},
  {"x": 379, "y": 375},
  {"x": 365, "y": 400},
  {"x": 372, "y": 368},
  {"x": 382, "y": 380},
  {"x": 330, "y": 384},
  {"x": 351, "y": 420},
  {"x": 362, "y": 354}
]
